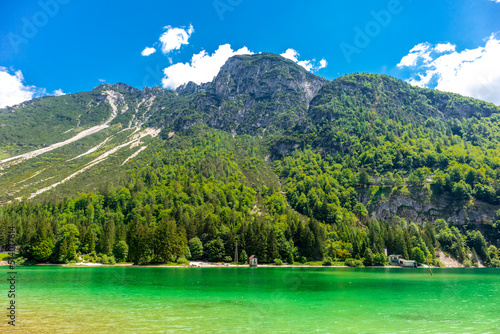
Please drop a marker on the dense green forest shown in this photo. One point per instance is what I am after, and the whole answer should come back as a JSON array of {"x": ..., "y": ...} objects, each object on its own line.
[{"x": 204, "y": 190}]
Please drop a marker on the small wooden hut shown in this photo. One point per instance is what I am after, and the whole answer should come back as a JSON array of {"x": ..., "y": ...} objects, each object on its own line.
[{"x": 253, "y": 261}]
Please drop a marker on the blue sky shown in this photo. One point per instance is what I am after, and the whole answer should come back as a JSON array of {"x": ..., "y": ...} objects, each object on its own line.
[{"x": 68, "y": 46}]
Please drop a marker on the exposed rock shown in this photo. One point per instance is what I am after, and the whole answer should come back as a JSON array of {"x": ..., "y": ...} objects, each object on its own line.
[
  {"x": 266, "y": 76},
  {"x": 190, "y": 88},
  {"x": 448, "y": 261},
  {"x": 257, "y": 93},
  {"x": 415, "y": 207}
]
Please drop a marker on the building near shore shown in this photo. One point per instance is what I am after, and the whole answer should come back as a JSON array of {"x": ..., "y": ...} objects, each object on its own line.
[
  {"x": 252, "y": 261},
  {"x": 398, "y": 260},
  {"x": 407, "y": 263},
  {"x": 395, "y": 259}
]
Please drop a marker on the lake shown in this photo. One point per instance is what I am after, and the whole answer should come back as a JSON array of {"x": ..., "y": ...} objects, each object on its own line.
[{"x": 53, "y": 299}]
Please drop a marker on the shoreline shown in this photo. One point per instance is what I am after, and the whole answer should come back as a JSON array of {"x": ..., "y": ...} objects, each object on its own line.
[{"x": 200, "y": 264}]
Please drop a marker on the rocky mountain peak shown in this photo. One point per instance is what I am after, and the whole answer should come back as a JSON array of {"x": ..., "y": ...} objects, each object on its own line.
[
  {"x": 265, "y": 75},
  {"x": 252, "y": 94},
  {"x": 118, "y": 86}
]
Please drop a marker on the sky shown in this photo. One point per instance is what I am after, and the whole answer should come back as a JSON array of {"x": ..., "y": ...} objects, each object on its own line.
[{"x": 56, "y": 47}]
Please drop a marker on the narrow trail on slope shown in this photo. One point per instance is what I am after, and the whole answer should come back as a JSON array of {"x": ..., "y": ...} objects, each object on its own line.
[{"x": 111, "y": 98}]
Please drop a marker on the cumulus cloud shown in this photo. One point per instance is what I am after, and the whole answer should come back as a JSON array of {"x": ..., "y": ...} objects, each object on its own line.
[
  {"x": 174, "y": 38},
  {"x": 58, "y": 92},
  {"x": 290, "y": 54},
  {"x": 419, "y": 52},
  {"x": 12, "y": 88},
  {"x": 309, "y": 65},
  {"x": 323, "y": 63},
  {"x": 202, "y": 68},
  {"x": 148, "y": 51},
  {"x": 447, "y": 47},
  {"x": 471, "y": 72}
]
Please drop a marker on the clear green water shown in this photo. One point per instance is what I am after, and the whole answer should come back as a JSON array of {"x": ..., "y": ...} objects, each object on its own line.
[{"x": 262, "y": 300}]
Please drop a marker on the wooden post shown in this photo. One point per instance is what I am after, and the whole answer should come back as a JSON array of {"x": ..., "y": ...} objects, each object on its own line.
[{"x": 236, "y": 253}]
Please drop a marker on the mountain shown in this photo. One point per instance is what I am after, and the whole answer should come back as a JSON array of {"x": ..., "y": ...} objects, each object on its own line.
[
  {"x": 250, "y": 95},
  {"x": 265, "y": 151}
]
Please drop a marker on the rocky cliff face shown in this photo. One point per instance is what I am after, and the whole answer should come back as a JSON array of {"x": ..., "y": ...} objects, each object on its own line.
[
  {"x": 190, "y": 88},
  {"x": 418, "y": 207},
  {"x": 267, "y": 77}
]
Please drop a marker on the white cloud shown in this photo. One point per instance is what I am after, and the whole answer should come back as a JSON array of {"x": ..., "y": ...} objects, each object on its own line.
[
  {"x": 497, "y": 1},
  {"x": 419, "y": 51},
  {"x": 58, "y": 92},
  {"x": 323, "y": 63},
  {"x": 306, "y": 64},
  {"x": 148, "y": 51},
  {"x": 102, "y": 80},
  {"x": 309, "y": 65},
  {"x": 290, "y": 54},
  {"x": 202, "y": 68},
  {"x": 473, "y": 72},
  {"x": 174, "y": 38},
  {"x": 447, "y": 47},
  {"x": 12, "y": 89}
]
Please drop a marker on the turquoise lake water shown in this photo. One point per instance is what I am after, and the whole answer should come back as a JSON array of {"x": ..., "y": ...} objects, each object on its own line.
[{"x": 254, "y": 300}]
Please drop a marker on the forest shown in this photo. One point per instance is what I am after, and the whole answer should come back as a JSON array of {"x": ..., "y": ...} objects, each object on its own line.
[{"x": 204, "y": 190}]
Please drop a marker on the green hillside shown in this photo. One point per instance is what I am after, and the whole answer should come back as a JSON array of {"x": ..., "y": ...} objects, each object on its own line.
[{"x": 293, "y": 167}]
